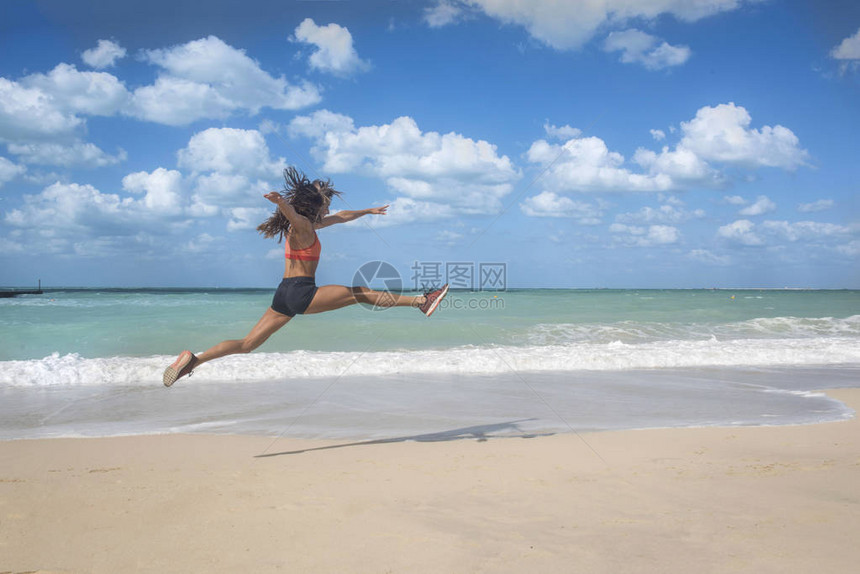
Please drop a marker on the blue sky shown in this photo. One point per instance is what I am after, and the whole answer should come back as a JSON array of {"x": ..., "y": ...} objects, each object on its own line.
[{"x": 657, "y": 143}]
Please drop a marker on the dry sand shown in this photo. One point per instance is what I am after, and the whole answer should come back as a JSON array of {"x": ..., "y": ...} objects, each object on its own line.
[{"x": 774, "y": 499}]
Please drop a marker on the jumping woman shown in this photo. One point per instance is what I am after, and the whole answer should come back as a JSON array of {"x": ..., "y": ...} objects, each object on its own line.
[{"x": 301, "y": 211}]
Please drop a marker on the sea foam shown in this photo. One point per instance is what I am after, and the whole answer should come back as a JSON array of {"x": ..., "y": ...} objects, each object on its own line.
[
  {"x": 72, "y": 369},
  {"x": 643, "y": 331}
]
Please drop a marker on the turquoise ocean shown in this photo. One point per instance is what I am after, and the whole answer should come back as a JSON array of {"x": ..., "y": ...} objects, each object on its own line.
[{"x": 88, "y": 362}]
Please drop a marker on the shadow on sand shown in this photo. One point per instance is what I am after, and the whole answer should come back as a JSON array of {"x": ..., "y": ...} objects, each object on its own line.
[{"x": 480, "y": 432}]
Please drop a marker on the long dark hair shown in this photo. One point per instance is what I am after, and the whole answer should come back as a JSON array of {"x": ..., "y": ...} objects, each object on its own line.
[{"x": 307, "y": 198}]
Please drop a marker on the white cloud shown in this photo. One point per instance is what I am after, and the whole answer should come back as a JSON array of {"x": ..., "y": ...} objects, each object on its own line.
[
  {"x": 80, "y": 209},
  {"x": 658, "y": 135},
  {"x": 73, "y": 91},
  {"x": 682, "y": 166},
  {"x": 831, "y": 236},
  {"x": 662, "y": 235},
  {"x": 811, "y": 233},
  {"x": 851, "y": 249},
  {"x": 706, "y": 256},
  {"x": 637, "y": 47},
  {"x": 621, "y": 228},
  {"x": 808, "y": 230},
  {"x": 319, "y": 124},
  {"x": 735, "y": 200},
  {"x": 226, "y": 190},
  {"x": 334, "y": 52},
  {"x": 230, "y": 151},
  {"x": 9, "y": 170},
  {"x": 586, "y": 164},
  {"x": 722, "y": 134},
  {"x": 104, "y": 55},
  {"x": 42, "y": 178},
  {"x": 8, "y": 246},
  {"x": 849, "y": 49},
  {"x": 664, "y": 214},
  {"x": 561, "y": 25},
  {"x": 87, "y": 222},
  {"x": 40, "y": 116},
  {"x": 569, "y": 25},
  {"x": 202, "y": 79},
  {"x": 177, "y": 102},
  {"x": 762, "y": 205},
  {"x": 162, "y": 189},
  {"x": 741, "y": 231},
  {"x": 718, "y": 134},
  {"x": 820, "y": 205},
  {"x": 548, "y": 204},
  {"x": 202, "y": 243},
  {"x": 670, "y": 200},
  {"x": 207, "y": 78},
  {"x": 31, "y": 114},
  {"x": 564, "y": 132},
  {"x": 230, "y": 168},
  {"x": 74, "y": 154},
  {"x": 267, "y": 126},
  {"x": 203, "y": 204},
  {"x": 448, "y": 237},
  {"x": 442, "y": 14},
  {"x": 403, "y": 210},
  {"x": 645, "y": 236},
  {"x": 663, "y": 56},
  {"x": 466, "y": 175},
  {"x": 244, "y": 218}
]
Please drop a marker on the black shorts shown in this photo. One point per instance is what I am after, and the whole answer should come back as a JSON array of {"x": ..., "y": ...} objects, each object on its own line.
[{"x": 294, "y": 295}]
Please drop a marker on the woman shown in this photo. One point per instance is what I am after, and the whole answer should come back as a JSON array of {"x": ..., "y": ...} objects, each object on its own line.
[{"x": 301, "y": 211}]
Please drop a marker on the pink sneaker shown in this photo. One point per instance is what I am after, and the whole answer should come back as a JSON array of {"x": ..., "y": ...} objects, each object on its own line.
[
  {"x": 433, "y": 298},
  {"x": 183, "y": 365}
]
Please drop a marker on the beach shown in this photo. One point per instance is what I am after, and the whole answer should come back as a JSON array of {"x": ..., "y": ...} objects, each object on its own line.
[
  {"x": 531, "y": 430},
  {"x": 748, "y": 499}
]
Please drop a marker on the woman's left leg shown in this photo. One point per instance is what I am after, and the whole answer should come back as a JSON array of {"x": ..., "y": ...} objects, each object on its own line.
[
  {"x": 187, "y": 361},
  {"x": 331, "y": 297},
  {"x": 270, "y": 322}
]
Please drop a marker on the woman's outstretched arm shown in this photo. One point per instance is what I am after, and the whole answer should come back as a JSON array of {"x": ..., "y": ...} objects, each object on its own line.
[
  {"x": 297, "y": 221},
  {"x": 346, "y": 215}
]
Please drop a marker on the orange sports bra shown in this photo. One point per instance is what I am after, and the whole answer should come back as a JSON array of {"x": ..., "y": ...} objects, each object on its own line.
[{"x": 311, "y": 253}]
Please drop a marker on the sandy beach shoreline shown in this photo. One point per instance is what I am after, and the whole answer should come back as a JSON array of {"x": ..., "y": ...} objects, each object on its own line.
[{"x": 739, "y": 499}]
